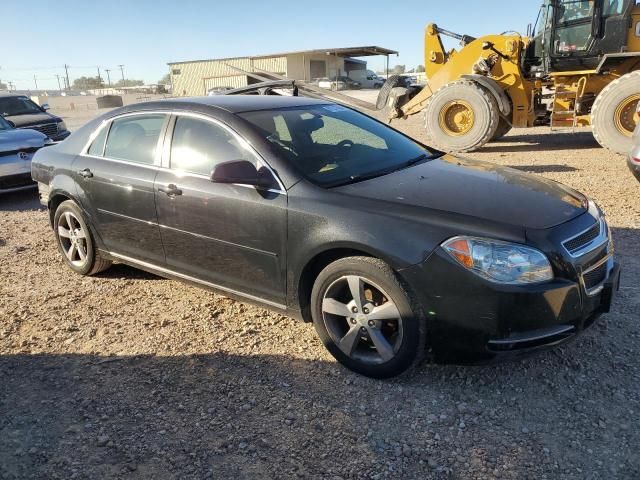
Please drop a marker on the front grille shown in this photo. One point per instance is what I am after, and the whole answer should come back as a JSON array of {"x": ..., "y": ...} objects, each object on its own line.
[
  {"x": 9, "y": 153},
  {"x": 595, "y": 277},
  {"x": 15, "y": 181},
  {"x": 49, "y": 129},
  {"x": 576, "y": 244}
]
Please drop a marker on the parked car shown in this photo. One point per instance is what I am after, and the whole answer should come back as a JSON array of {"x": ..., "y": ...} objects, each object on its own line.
[
  {"x": 634, "y": 155},
  {"x": 24, "y": 113},
  {"x": 322, "y": 213},
  {"x": 367, "y": 78},
  {"x": 339, "y": 83},
  {"x": 16, "y": 151},
  {"x": 218, "y": 91}
]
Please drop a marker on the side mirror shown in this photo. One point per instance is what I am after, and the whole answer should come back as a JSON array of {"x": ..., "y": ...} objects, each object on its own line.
[
  {"x": 243, "y": 172},
  {"x": 45, "y": 107}
]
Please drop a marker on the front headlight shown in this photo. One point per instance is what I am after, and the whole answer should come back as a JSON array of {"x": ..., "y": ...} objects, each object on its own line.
[
  {"x": 500, "y": 262},
  {"x": 62, "y": 127}
]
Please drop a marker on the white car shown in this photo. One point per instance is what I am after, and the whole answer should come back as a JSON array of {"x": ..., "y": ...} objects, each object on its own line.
[{"x": 17, "y": 147}]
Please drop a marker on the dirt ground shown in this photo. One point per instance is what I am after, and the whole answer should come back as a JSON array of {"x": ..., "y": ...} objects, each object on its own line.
[{"x": 127, "y": 375}]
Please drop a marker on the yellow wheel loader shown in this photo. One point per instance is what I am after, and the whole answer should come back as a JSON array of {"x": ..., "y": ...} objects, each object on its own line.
[{"x": 579, "y": 65}]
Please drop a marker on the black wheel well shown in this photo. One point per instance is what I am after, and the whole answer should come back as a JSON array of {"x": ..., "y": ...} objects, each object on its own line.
[
  {"x": 313, "y": 268},
  {"x": 54, "y": 203}
]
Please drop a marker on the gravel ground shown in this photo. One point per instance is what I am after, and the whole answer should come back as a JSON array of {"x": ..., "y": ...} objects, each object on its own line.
[{"x": 127, "y": 375}]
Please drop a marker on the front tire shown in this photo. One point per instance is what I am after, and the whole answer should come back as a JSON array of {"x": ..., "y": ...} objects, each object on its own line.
[
  {"x": 613, "y": 113},
  {"x": 461, "y": 117},
  {"x": 75, "y": 242},
  {"x": 366, "y": 319}
]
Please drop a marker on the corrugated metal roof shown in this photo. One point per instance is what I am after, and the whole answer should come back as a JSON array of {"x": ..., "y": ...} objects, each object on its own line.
[{"x": 341, "y": 52}]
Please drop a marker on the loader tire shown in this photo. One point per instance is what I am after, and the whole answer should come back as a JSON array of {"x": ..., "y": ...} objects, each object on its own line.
[
  {"x": 462, "y": 116},
  {"x": 614, "y": 113},
  {"x": 383, "y": 95},
  {"x": 504, "y": 127}
]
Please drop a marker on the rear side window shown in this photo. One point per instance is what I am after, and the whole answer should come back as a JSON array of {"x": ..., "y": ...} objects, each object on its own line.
[
  {"x": 135, "y": 138},
  {"x": 198, "y": 146},
  {"x": 97, "y": 147}
]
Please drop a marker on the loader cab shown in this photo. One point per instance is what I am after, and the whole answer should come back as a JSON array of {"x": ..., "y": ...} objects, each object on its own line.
[{"x": 575, "y": 34}]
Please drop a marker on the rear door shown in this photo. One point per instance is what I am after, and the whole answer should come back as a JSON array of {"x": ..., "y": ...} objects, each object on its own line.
[
  {"x": 231, "y": 236},
  {"x": 115, "y": 178}
]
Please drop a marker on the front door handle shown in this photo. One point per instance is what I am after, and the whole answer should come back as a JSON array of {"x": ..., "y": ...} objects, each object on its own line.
[
  {"x": 171, "y": 190},
  {"x": 86, "y": 173}
]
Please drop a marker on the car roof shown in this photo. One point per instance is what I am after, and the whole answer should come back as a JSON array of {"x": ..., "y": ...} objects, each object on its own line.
[
  {"x": 243, "y": 103},
  {"x": 12, "y": 94}
]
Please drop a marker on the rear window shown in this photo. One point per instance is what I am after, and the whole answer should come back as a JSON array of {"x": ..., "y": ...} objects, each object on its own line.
[{"x": 135, "y": 138}]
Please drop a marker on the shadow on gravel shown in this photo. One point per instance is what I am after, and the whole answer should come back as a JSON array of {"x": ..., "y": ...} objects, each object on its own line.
[
  {"x": 120, "y": 270},
  {"x": 26, "y": 200},
  {"x": 277, "y": 416},
  {"x": 544, "y": 168},
  {"x": 542, "y": 142}
]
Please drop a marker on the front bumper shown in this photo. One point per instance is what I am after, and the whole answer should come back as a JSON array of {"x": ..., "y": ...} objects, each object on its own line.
[
  {"x": 60, "y": 136},
  {"x": 15, "y": 173},
  {"x": 471, "y": 320}
]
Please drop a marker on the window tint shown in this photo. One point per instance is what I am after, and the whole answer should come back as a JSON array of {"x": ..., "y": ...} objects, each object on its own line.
[
  {"x": 135, "y": 138},
  {"x": 97, "y": 146},
  {"x": 198, "y": 146}
]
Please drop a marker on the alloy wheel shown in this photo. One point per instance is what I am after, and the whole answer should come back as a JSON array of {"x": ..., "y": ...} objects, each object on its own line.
[
  {"x": 362, "y": 320},
  {"x": 73, "y": 239}
]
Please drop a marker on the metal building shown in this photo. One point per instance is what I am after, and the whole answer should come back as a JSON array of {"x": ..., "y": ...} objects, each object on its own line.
[{"x": 197, "y": 77}]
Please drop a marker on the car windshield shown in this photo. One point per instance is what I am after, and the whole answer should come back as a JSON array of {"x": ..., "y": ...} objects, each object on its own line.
[
  {"x": 332, "y": 145},
  {"x": 17, "y": 106},
  {"x": 4, "y": 125}
]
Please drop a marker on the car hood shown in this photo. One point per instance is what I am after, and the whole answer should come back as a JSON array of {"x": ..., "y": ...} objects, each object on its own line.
[
  {"x": 11, "y": 140},
  {"x": 478, "y": 189},
  {"x": 22, "y": 121}
]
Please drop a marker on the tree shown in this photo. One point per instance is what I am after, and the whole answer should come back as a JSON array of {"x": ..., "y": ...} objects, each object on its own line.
[
  {"x": 399, "y": 69},
  {"x": 3, "y": 86},
  {"x": 129, "y": 83},
  {"x": 88, "y": 83},
  {"x": 420, "y": 69},
  {"x": 166, "y": 80}
]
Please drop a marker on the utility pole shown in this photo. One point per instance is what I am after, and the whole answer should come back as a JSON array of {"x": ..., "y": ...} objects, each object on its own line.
[
  {"x": 58, "y": 77},
  {"x": 11, "y": 87},
  {"x": 108, "y": 76},
  {"x": 66, "y": 69},
  {"x": 122, "y": 72},
  {"x": 99, "y": 78},
  {"x": 35, "y": 80}
]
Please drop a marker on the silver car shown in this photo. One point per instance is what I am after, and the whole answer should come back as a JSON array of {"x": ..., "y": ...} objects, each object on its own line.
[
  {"x": 17, "y": 147},
  {"x": 634, "y": 155}
]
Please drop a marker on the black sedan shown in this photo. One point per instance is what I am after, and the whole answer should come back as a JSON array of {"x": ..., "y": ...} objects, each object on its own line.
[
  {"x": 391, "y": 249},
  {"x": 22, "y": 112}
]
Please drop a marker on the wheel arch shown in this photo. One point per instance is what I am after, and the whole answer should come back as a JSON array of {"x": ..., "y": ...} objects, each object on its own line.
[
  {"x": 55, "y": 199},
  {"x": 318, "y": 262},
  {"x": 504, "y": 103}
]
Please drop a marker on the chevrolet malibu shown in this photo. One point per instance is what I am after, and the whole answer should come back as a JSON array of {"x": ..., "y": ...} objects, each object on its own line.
[{"x": 393, "y": 250}]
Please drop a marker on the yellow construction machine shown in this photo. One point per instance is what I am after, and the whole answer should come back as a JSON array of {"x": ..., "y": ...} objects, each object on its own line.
[{"x": 579, "y": 65}]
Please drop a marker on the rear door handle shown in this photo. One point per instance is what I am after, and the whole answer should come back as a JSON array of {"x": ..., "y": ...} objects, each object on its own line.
[
  {"x": 171, "y": 190},
  {"x": 86, "y": 173}
]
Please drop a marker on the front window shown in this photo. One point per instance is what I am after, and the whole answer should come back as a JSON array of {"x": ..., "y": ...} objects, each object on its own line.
[
  {"x": 574, "y": 20},
  {"x": 17, "y": 106},
  {"x": 332, "y": 145}
]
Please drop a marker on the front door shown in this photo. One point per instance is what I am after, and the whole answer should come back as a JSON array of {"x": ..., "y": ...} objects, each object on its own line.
[
  {"x": 115, "y": 182},
  {"x": 231, "y": 236}
]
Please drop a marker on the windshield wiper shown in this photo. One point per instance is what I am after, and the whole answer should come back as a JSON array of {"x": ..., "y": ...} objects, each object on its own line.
[{"x": 380, "y": 173}]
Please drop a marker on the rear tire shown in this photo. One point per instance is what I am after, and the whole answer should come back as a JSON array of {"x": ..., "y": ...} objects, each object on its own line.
[
  {"x": 613, "y": 113},
  {"x": 75, "y": 242},
  {"x": 504, "y": 127},
  {"x": 462, "y": 116},
  {"x": 366, "y": 319}
]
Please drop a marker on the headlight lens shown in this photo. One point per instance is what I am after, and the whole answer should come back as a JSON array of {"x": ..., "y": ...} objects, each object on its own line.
[
  {"x": 500, "y": 262},
  {"x": 62, "y": 127}
]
